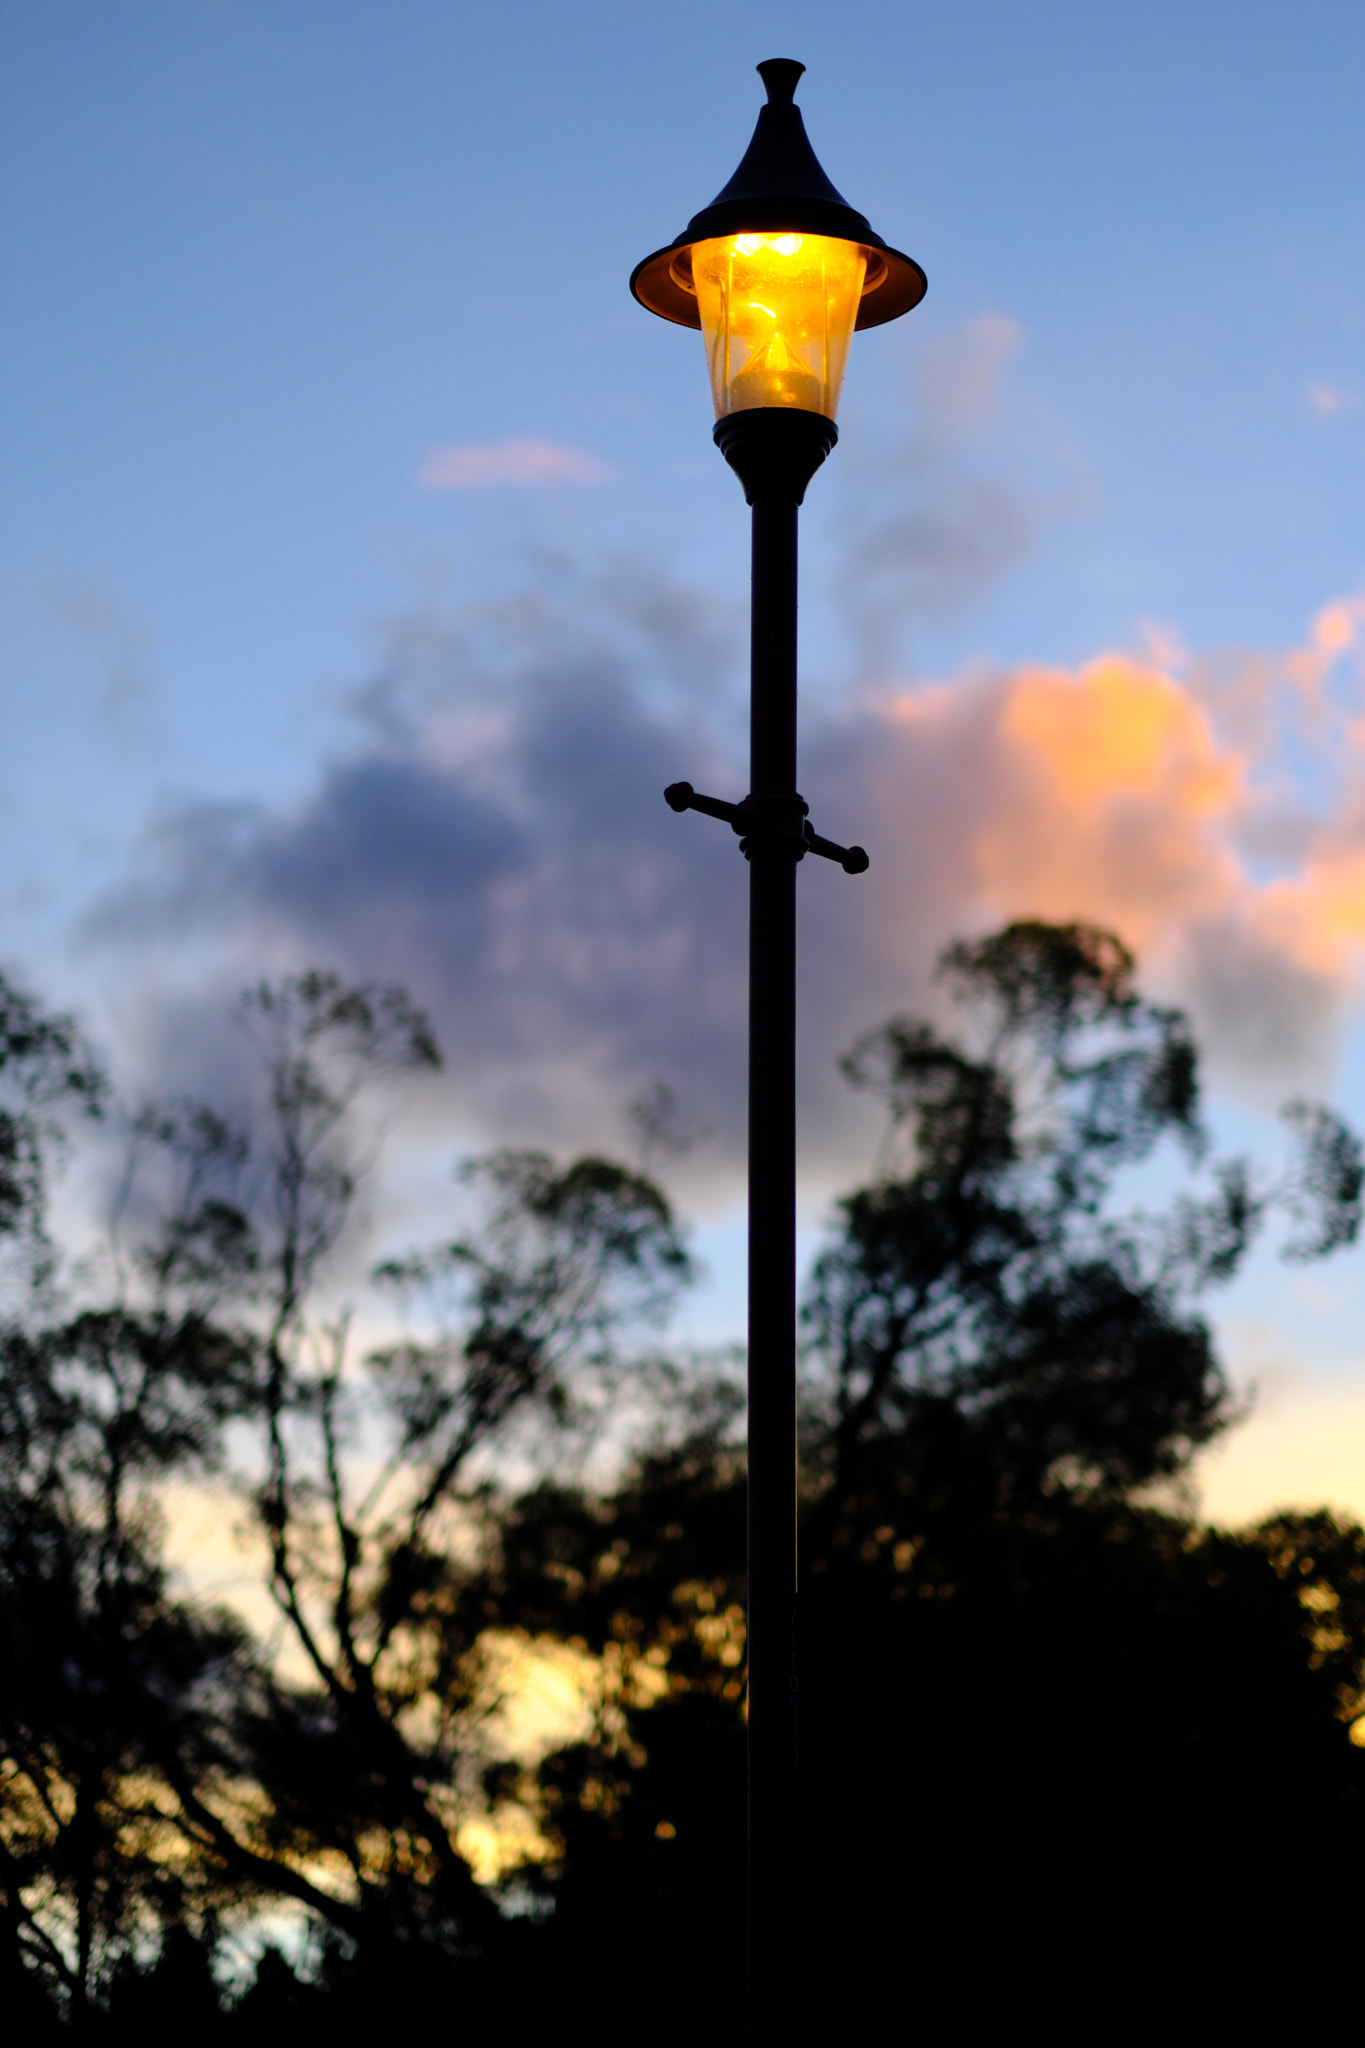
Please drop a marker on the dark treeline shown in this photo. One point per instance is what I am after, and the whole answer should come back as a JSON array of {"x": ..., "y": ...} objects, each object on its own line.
[{"x": 1065, "y": 1750}]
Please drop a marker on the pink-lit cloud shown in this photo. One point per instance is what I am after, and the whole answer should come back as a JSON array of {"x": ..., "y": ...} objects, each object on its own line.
[
  {"x": 518, "y": 461},
  {"x": 1152, "y": 803},
  {"x": 1327, "y": 399}
]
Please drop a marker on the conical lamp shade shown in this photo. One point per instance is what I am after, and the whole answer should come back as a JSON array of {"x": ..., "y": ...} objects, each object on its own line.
[{"x": 779, "y": 188}]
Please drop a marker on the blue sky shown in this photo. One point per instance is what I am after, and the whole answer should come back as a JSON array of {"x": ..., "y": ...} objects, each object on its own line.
[{"x": 264, "y": 260}]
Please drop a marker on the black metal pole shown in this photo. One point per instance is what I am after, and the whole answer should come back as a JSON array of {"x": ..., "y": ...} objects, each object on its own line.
[
  {"x": 774, "y": 452},
  {"x": 772, "y": 1687}
]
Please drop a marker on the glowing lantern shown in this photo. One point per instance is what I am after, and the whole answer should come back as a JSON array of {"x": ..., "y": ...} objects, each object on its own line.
[
  {"x": 778, "y": 271},
  {"x": 777, "y": 313}
]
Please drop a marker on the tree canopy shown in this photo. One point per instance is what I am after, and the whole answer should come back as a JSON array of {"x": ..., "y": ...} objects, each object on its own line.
[{"x": 1050, "y": 1719}]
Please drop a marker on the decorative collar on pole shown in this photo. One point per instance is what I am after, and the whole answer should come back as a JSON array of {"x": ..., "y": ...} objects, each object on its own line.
[{"x": 779, "y": 187}]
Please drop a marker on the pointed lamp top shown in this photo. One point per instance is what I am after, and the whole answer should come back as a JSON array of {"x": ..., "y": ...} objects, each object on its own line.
[{"x": 779, "y": 188}]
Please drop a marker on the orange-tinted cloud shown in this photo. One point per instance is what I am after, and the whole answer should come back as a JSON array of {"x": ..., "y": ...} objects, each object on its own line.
[{"x": 1147, "y": 801}]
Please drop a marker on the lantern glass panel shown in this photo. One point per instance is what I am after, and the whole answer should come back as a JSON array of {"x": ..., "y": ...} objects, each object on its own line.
[{"x": 777, "y": 315}]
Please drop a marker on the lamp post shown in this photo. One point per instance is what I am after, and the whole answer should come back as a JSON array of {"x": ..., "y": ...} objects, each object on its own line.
[{"x": 777, "y": 272}]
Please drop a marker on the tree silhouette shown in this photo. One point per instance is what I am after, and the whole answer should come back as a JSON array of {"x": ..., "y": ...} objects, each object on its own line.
[
  {"x": 988, "y": 1273},
  {"x": 113, "y": 1694},
  {"x": 1057, "y": 1737},
  {"x": 1025, "y": 1687},
  {"x": 160, "y": 1766}
]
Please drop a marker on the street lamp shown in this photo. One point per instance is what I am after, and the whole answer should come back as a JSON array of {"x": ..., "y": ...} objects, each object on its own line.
[{"x": 777, "y": 272}]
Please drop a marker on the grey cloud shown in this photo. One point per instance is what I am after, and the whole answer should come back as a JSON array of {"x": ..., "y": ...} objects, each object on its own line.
[
  {"x": 930, "y": 518},
  {"x": 386, "y": 840},
  {"x": 571, "y": 936},
  {"x": 620, "y": 617},
  {"x": 1268, "y": 1021},
  {"x": 117, "y": 638},
  {"x": 935, "y": 554}
]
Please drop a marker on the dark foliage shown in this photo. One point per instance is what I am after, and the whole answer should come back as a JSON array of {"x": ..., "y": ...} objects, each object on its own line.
[
  {"x": 46, "y": 1074},
  {"x": 1053, "y": 1740},
  {"x": 989, "y": 1267},
  {"x": 1064, "y": 1750}
]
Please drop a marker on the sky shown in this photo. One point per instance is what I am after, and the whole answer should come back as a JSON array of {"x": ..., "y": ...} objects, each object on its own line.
[{"x": 366, "y": 568}]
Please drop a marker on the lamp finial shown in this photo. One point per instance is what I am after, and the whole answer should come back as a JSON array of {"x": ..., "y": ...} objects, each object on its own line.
[{"x": 780, "y": 75}]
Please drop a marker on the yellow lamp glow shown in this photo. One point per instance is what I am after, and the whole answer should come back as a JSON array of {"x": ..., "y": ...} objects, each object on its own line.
[
  {"x": 778, "y": 272},
  {"x": 777, "y": 314}
]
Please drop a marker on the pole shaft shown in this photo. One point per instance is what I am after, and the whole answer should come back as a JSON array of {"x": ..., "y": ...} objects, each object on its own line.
[{"x": 772, "y": 1283}]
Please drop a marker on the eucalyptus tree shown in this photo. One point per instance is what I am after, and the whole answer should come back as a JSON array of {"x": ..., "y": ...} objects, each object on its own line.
[{"x": 164, "y": 1765}]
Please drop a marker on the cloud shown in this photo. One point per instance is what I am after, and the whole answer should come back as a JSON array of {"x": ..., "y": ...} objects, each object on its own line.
[
  {"x": 1105, "y": 793},
  {"x": 496, "y": 838},
  {"x": 960, "y": 376},
  {"x": 932, "y": 519},
  {"x": 1327, "y": 399},
  {"x": 491, "y": 828},
  {"x": 118, "y": 639},
  {"x": 518, "y": 461}
]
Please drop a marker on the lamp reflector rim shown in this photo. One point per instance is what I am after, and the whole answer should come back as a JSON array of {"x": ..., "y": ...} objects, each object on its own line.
[{"x": 894, "y": 284}]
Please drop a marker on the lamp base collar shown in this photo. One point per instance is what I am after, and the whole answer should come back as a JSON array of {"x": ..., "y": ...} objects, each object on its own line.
[{"x": 775, "y": 450}]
